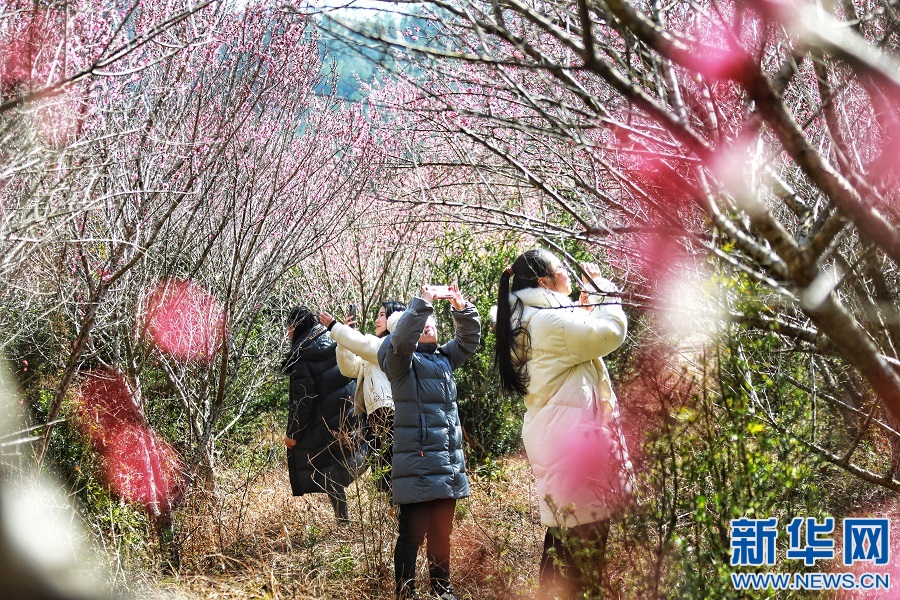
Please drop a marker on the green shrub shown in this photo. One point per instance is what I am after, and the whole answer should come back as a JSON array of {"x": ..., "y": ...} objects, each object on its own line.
[{"x": 492, "y": 420}]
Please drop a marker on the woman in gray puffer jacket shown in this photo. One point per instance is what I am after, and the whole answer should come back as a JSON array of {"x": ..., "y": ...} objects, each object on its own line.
[{"x": 428, "y": 469}]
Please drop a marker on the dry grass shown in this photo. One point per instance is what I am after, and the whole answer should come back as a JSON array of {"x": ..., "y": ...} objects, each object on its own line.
[{"x": 252, "y": 539}]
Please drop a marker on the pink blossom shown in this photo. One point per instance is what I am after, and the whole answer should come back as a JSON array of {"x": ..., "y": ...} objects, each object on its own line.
[
  {"x": 587, "y": 462},
  {"x": 722, "y": 63},
  {"x": 891, "y": 511},
  {"x": 184, "y": 320},
  {"x": 137, "y": 466},
  {"x": 141, "y": 468},
  {"x": 666, "y": 186}
]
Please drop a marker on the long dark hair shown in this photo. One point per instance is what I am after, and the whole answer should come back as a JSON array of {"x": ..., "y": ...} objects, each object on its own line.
[
  {"x": 302, "y": 319},
  {"x": 513, "y": 343},
  {"x": 390, "y": 307}
]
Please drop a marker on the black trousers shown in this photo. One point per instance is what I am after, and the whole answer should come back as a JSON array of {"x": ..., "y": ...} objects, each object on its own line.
[
  {"x": 337, "y": 494},
  {"x": 574, "y": 561},
  {"x": 424, "y": 520}
]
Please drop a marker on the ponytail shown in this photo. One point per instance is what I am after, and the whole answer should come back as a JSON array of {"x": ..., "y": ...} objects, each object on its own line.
[
  {"x": 513, "y": 377},
  {"x": 514, "y": 341}
]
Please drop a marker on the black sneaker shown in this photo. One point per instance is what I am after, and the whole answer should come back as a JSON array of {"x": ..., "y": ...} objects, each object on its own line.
[{"x": 447, "y": 594}]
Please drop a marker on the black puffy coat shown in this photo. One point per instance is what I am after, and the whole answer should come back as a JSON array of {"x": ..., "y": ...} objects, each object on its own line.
[
  {"x": 428, "y": 462},
  {"x": 328, "y": 452}
]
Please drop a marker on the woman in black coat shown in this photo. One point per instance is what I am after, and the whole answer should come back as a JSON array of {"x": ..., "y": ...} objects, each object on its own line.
[{"x": 323, "y": 437}]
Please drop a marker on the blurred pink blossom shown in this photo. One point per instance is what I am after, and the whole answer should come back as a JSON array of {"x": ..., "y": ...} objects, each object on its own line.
[
  {"x": 588, "y": 462},
  {"x": 667, "y": 189},
  {"x": 723, "y": 63},
  {"x": 137, "y": 466},
  {"x": 142, "y": 468},
  {"x": 21, "y": 44},
  {"x": 184, "y": 320},
  {"x": 890, "y": 510},
  {"x": 105, "y": 403},
  {"x": 660, "y": 259},
  {"x": 730, "y": 165}
]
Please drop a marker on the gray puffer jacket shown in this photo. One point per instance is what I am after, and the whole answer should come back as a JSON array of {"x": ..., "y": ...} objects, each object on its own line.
[{"x": 428, "y": 461}]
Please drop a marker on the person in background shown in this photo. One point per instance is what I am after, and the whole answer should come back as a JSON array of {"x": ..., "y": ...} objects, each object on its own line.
[
  {"x": 549, "y": 350},
  {"x": 357, "y": 356},
  {"x": 429, "y": 470},
  {"x": 322, "y": 439}
]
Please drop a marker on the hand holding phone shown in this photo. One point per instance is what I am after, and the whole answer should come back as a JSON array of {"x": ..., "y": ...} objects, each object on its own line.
[
  {"x": 351, "y": 312},
  {"x": 440, "y": 291}
]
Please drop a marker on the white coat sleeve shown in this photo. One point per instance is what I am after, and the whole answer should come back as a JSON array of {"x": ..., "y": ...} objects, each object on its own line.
[
  {"x": 349, "y": 364},
  {"x": 360, "y": 344},
  {"x": 577, "y": 336}
]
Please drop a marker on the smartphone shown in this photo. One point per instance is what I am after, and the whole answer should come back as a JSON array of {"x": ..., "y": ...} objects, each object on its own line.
[
  {"x": 351, "y": 312},
  {"x": 441, "y": 291}
]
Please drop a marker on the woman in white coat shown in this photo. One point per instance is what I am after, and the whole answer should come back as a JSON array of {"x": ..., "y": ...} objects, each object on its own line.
[
  {"x": 549, "y": 350},
  {"x": 357, "y": 356}
]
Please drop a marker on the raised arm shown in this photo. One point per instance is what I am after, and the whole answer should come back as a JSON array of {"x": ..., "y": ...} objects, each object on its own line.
[
  {"x": 409, "y": 328},
  {"x": 467, "y": 325},
  {"x": 349, "y": 364},
  {"x": 362, "y": 345},
  {"x": 396, "y": 351},
  {"x": 585, "y": 336},
  {"x": 607, "y": 326}
]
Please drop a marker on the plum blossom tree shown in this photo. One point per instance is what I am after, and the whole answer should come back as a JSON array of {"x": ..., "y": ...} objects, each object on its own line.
[
  {"x": 750, "y": 145},
  {"x": 57, "y": 59},
  {"x": 50, "y": 48},
  {"x": 381, "y": 257},
  {"x": 149, "y": 239}
]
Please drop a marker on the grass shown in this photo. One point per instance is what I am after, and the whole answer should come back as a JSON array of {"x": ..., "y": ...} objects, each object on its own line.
[{"x": 252, "y": 539}]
